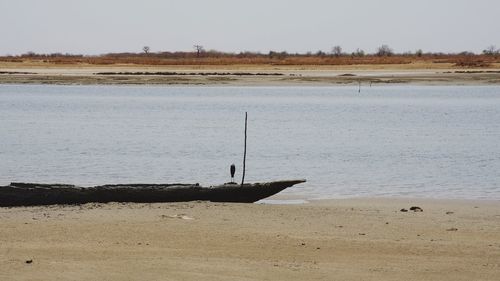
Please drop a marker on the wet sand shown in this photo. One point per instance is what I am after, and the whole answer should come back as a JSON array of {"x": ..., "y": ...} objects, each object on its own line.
[
  {"x": 422, "y": 74},
  {"x": 351, "y": 239}
]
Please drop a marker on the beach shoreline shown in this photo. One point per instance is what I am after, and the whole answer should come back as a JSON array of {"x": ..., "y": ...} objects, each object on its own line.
[
  {"x": 247, "y": 75},
  {"x": 288, "y": 238},
  {"x": 341, "y": 239}
]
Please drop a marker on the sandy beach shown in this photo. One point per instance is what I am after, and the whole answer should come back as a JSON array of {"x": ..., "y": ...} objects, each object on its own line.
[
  {"x": 350, "y": 239},
  {"x": 246, "y": 75}
]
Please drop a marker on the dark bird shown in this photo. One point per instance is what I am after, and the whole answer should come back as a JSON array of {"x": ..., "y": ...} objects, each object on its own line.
[{"x": 233, "y": 170}]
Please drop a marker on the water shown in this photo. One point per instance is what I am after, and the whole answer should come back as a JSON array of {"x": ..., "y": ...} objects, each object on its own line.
[{"x": 440, "y": 142}]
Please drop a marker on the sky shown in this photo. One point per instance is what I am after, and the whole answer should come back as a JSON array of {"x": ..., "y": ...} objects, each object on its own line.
[{"x": 93, "y": 27}]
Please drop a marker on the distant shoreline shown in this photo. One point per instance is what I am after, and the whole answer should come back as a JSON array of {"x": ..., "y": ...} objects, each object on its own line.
[{"x": 246, "y": 75}]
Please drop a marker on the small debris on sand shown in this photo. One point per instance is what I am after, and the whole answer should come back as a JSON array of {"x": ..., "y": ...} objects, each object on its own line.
[
  {"x": 404, "y": 210},
  {"x": 416, "y": 209},
  {"x": 29, "y": 261},
  {"x": 181, "y": 216},
  {"x": 452, "y": 229},
  {"x": 450, "y": 213}
]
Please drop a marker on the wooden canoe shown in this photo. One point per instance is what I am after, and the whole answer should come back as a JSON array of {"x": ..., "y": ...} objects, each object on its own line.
[{"x": 33, "y": 194}]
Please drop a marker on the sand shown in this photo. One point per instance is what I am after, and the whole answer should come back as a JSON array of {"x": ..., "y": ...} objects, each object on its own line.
[
  {"x": 83, "y": 74},
  {"x": 350, "y": 239}
]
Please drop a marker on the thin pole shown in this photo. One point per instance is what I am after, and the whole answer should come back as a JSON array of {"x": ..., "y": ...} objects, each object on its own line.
[{"x": 245, "y": 151}]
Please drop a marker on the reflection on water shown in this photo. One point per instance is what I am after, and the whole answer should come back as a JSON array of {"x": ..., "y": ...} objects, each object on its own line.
[{"x": 385, "y": 141}]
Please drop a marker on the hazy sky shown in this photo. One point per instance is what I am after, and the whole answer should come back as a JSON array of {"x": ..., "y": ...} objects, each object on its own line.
[{"x": 101, "y": 26}]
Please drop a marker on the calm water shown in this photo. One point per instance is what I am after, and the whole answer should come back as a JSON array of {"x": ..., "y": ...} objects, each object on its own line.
[{"x": 439, "y": 142}]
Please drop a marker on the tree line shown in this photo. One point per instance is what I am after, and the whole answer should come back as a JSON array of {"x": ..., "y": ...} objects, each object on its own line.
[
  {"x": 200, "y": 51},
  {"x": 200, "y": 55}
]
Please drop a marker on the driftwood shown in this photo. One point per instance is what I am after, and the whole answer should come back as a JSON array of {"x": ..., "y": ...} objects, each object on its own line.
[{"x": 32, "y": 194}]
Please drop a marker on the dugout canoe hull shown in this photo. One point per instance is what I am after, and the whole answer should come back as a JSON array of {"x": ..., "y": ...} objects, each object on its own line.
[{"x": 34, "y": 194}]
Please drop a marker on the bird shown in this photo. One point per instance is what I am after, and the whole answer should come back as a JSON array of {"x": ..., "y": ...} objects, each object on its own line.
[{"x": 233, "y": 170}]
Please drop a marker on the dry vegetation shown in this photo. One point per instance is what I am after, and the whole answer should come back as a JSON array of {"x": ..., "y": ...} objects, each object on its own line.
[
  {"x": 465, "y": 59},
  {"x": 202, "y": 67}
]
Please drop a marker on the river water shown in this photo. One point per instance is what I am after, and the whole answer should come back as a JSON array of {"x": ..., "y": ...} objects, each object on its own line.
[{"x": 403, "y": 141}]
